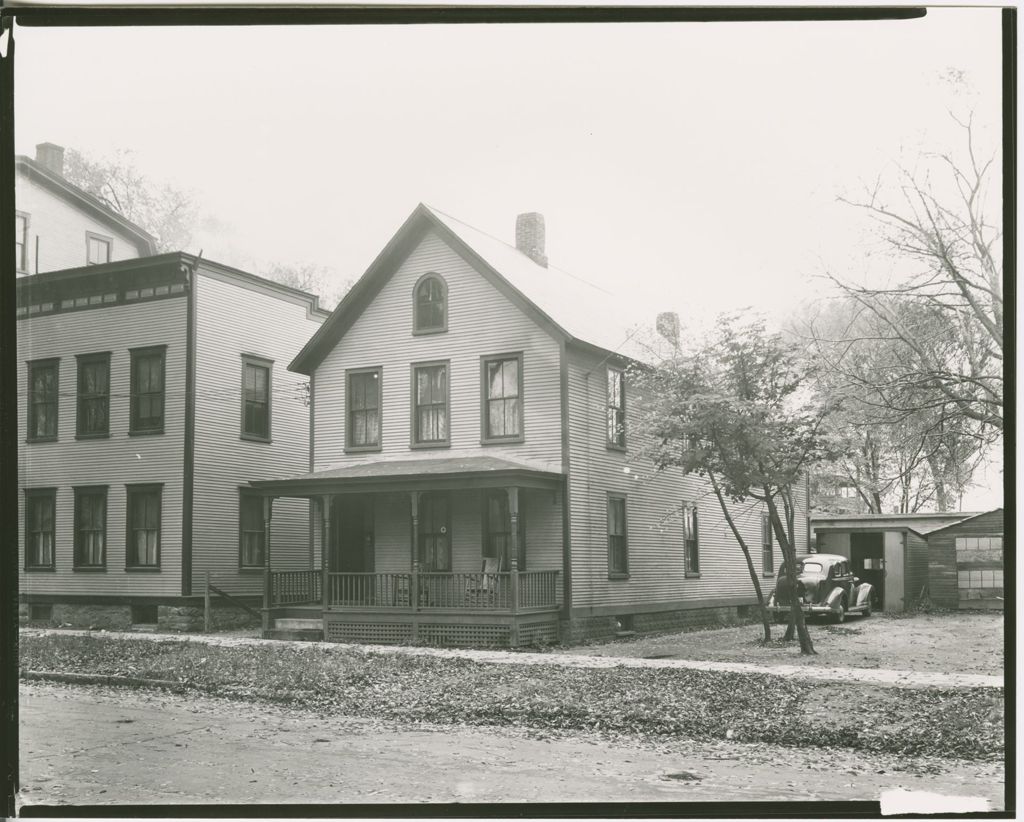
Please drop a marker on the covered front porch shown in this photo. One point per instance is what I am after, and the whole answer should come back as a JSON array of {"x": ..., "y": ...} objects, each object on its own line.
[{"x": 439, "y": 551}]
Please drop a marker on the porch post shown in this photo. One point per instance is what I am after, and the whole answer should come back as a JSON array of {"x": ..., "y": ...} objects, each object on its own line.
[
  {"x": 414, "y": 585},
  {"x": 513, "y": 562},
  {"x": 325, "y": 550},
  {"x": 268, "y": 585}
]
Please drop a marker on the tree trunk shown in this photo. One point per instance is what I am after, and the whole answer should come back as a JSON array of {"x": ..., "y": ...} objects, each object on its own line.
[
  {"x": 789, "y": 558},
  {"x": 765, "y": 620},
  {"x": 941, "y": 495}
]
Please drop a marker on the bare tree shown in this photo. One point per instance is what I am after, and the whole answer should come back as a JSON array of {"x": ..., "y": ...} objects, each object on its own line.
[
  {"x": 316, "y": 279},
  {"x": 946, "y": 317},
  {"x": 166, "y": 212}
]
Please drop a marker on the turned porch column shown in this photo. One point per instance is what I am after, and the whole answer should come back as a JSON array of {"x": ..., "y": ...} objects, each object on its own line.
[
  {"x": 414, "y": 584},
  {"x": 268, "y": 584},
  {"x": 325, "y": 548},
  {"x": 513, "y": 561}
]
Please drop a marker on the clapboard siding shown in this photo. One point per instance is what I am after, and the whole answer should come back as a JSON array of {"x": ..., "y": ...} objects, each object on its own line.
[
  {"x": 654, "y": 514},
  {"x": 112, "y": 461},
  {"x": 61, "y": 229},
  {"x": 942, "y": 558},
  {"x": 481, "y": 321},
  {"x": 233, "y": 319}
]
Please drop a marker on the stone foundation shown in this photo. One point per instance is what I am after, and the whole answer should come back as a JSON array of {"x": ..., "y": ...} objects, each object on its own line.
[
  {"x": 119, "y": 617},
  {"x": 584, "y": 629},
  {"x": 107, "y": 617}
]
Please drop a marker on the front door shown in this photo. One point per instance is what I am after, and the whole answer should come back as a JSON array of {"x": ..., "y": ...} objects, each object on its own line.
[{"x": 352, "y": 534}]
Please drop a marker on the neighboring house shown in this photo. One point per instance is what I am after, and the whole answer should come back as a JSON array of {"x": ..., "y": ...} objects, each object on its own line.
[
  {"x": 965, "y": 562},
  {"x": 150, "y": 391},
  {"x": 476, "y": 460},
  {"x": 891, "y": 551},
  {"x": 59, "y": 226}
]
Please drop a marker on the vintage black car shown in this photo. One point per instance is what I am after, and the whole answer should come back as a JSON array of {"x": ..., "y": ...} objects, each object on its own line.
[{"x": 825, "y": 587}]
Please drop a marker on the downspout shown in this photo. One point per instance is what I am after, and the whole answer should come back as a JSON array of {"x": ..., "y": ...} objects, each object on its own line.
[{"x": 189, "y": 449}]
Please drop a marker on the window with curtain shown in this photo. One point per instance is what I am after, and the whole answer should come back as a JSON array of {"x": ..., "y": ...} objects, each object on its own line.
[
  {"x": 147, "y": 390},
  {"x": 43, "y": 381},
  {"x": 94, "y": 395},
  {"x": 40, "y": 508},
  {"x": 692, "y": 540},
  {"x": 503, "y": 404},
  {"x": 430, "y": 410},
  {"x": 616, "y": 406},
  {"x": 364, "y": 411},
  {"x": 90, "y": 527},
  {"x": 251, "y": 536},
  {"x": 143, "y": 547},
  {"x": 255, "y": 399}
]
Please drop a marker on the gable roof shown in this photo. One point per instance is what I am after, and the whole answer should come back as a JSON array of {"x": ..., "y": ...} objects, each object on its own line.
[
  {"x": 96, "y": 208},
  {"x": 567, "y": 306}
]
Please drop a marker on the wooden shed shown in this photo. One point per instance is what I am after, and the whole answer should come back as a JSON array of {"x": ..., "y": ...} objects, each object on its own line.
[{"x": 965, "y": 562}]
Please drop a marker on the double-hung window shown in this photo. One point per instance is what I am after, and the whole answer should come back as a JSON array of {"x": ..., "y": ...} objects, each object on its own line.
[
  {"x": 618, "y": 537},
  {"x": 43, "y": 382},
  {"x": 251, "y": 534},
  {"x": 362, "y": 424},
  {"x": 767, "y": 560},
  {"x": 94, "y": 395},
  {"x": 143, "y": 539},
  {"x": 97, "y": 248},
  {"x": 255, "y": 398},
  {"x": 502, "y": 409},
  {"x": 147, "y": 389},
  {"x": 430, "y": 404},
  {"x": 691, "y": 541},
  {"x": 21, "y": 241},
  {"x": 616, "y": 408},
  {"x": 40, "y": 513},
  {"x": 91, "y": 527}
]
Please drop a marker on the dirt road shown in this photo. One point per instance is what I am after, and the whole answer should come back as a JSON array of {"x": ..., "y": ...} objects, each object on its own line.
[{"x": 94, "y": 745}]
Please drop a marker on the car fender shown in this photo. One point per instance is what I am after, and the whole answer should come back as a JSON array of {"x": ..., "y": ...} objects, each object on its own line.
[
  {"x": 864, "y": 594},
  {"x": 835, "y": 598}
]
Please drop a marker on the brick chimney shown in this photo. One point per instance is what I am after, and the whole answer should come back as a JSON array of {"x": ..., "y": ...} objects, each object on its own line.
[
  {"x": 51, "y": 157},
  {"x": 530, "y": 237}
]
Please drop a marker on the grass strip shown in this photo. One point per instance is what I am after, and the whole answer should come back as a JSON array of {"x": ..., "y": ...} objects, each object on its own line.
[{"x": 964, "y": 722}]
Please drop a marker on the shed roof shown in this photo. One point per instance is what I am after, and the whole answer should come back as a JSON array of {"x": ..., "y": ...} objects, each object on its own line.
[
  {"x": 922, "y": 522},
  {"x": 966, "y": 519},
  {"x": 565, "y": 305}
]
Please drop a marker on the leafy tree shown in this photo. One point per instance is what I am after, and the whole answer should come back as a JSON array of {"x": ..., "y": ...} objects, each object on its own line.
[
  {"x": 166, "y": 212},
  {"x": 738, "y": 411}
]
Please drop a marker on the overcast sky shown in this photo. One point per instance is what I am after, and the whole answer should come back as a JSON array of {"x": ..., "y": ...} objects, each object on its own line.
[{"x": 692, "y": 167}]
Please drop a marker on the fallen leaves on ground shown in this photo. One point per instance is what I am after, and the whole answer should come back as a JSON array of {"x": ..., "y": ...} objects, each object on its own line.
[{"x": 650, "y": 703}]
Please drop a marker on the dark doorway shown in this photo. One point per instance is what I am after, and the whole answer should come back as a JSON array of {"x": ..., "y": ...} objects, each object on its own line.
[
  {"x": 867, "y": 560},
  {"x": 352, "y": 534}
]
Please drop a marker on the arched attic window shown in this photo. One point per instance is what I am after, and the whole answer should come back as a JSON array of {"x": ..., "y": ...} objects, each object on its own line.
[{"x": 430, "y": 305}]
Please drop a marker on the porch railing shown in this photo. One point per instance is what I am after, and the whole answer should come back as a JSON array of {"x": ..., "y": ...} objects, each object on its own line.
[
  {"x": 295, "y": 587},
  {"x": 505, "y": 591}
]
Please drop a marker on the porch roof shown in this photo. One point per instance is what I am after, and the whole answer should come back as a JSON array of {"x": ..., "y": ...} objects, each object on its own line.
[{"x": 440, "y": 473}]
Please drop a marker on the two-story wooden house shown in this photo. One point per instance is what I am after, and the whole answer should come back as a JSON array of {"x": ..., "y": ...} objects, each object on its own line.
[
  {"x": 152, "y": 390},
  {"x": 59, "y": 226},
  {"x": 477, "y": 465}
]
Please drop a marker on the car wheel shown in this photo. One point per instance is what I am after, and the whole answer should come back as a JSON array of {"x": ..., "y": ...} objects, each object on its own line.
[{"x": 840, "y": 616}]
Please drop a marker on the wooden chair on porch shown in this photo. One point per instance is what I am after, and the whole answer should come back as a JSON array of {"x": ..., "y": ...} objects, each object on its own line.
[{"x": 483, "y": 595}]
